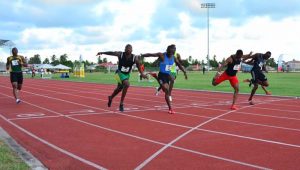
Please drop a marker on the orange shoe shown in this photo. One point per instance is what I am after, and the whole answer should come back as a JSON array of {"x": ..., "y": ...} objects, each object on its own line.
[
  {"x": 251, "y": 102},
  {"x": 171, "y": 111},
  {"x": 268, "y": 93},
  {"x": 233, "y": 107}
]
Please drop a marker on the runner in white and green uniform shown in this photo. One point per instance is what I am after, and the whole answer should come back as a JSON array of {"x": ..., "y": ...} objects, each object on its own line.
[
  {"x": 14, "y": 64},
  {"x": 126, "y": 61},
  {"x": 174, "y": 72}
]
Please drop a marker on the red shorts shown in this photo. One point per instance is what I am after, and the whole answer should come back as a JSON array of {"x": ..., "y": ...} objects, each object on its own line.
[{"x": 224, "y": 76}]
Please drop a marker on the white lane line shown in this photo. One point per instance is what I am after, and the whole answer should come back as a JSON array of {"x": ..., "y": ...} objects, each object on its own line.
[
  {"x": 92, "y": 164},
  {"x": 152, "y": 141},
  {"x": 148, "y": 160}
]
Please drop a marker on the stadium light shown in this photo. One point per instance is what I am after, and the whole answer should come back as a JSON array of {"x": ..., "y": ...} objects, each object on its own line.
[{"x": 208, "y": 6}]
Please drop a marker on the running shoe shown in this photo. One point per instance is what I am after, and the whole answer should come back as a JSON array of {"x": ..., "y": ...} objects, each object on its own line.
[
  {"x": 121, "y": 108},
  {"x": 233, "y": 107},
  {"x": 156, "y": 91},
  {"x": 18, "y": 101},
  {"x": 171, "y": 111},
  {"x": 251, "y": 102},
  {"x": 109, "y": 101},
  {"x": 268, "y": 93}
]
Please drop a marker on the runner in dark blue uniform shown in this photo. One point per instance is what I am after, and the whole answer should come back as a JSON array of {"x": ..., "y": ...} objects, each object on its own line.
[{"x": 259, "y": 65}]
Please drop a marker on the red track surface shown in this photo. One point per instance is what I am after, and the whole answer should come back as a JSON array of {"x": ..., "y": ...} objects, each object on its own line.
[{"x": 68, "y": 125}]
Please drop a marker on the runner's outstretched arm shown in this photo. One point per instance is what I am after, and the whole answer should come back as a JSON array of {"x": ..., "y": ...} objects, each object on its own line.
[{"x": 112, "y": 53}]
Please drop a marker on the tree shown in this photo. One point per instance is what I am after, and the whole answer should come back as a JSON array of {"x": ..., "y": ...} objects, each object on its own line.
[
  {"x": 271, "y": 62},
  {"x": 190, "y": 59},
  {"x": 46, "y": 61},
  {"x": 99, "y": 60},
  {"x": 213, "y": 62},
  {"x": 104, "y": 60},
  {"x": 63, "y": 59},
  {"x": 54, "y": 60},
  {"x": 36, "y": 59}
]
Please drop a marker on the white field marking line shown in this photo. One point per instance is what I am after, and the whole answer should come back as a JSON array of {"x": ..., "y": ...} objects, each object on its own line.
[
  {"x": 250, "y": 138},
  {"x": 264, "y": 108},
  {"x": 131, "y": 98},
  {"x": 176, "y": 147},
  {"x": 100, "y": 92},
  {"x": 241, "y": 112},
  {"x": 54, "y": 146},
  {"x": 70, "y": 94},
  {"x": 44, "y": 117},
  {"x": 162, "y": 122},
  {"x": 241, "y": 122},
  {"x": 148, "y": 140},
  {"x": 63, "y": 100},
  {"x": 148, "y": 160},
  {"x": 126, "y": 104},
  {"x": 127, "y": 97},
  {"x": 97, "y": 85}
]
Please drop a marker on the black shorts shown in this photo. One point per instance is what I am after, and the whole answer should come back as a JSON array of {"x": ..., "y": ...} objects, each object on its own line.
[
  {"x": 163, "y": 78},
  {"x": 16, "y": 77},
  {"x": 258, "y": 75}
]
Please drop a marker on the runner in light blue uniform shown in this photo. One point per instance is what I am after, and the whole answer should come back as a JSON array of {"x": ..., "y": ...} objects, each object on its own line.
[{"x": 166, "y": 61}]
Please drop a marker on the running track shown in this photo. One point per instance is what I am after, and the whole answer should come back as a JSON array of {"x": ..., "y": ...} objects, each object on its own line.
[{"x": 68, "y": 125}]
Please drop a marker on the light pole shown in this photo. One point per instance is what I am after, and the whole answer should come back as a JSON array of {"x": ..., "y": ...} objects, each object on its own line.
[{"x": 207, "y": 6}]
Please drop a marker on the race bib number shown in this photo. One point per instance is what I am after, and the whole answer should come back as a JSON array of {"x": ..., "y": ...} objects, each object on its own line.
[
  {"x": 168, "y": 68},
  {"x": 125, "y": 69},
  {"x": 237, "y": 67},
  {"x": 15, "y": 62},
  {"x": 261, "y": 64}
]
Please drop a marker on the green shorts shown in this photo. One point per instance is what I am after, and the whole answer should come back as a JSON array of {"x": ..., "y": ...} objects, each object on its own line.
[
  {"x": 120, "y": 77},
  {"x": 173, "y": 74}
]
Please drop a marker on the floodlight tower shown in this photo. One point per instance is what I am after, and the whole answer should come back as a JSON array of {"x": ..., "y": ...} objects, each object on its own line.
[{"x": 208, "y": 6}]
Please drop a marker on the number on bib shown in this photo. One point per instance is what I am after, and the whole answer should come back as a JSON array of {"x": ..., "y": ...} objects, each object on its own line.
[
  {"x": 237, "y": 67},
  {"x": 168, "y": 67},
  {"x": 15, "y": 62},
  {"x": 125, "y": 69}
]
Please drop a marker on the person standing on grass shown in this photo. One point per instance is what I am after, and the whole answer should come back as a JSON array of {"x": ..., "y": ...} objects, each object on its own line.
[
  {"x": 167, "y": 60},
  {"x": 14, "y": 65},
  {"x": 233, "y": 64},
  {"x": 258, "y": 78},
  {"x": 126, "y": 61}
]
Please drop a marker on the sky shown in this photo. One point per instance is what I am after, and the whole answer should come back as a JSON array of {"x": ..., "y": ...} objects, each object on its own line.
[{"x": 85, "y": 27}]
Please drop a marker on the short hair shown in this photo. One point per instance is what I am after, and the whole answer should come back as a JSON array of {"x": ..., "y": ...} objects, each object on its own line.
[
  {"x": 239, "y": 52},
  {"x": 268, "y": 52}
]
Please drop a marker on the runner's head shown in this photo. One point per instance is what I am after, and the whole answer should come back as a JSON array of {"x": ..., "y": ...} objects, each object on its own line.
[
  {"x": 14, "y": 51},
  {"x": 128, "y": 49},
  {"x": 267, "y": 55},
  {"x": 171, "y": 50},
  {"x": 239, "y": 54}
]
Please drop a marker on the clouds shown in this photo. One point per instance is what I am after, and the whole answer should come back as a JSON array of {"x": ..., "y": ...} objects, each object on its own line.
[{"x": 83, "y": 27}]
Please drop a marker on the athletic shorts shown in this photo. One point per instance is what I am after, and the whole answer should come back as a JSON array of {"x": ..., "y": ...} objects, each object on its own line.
[
  {"x": 258, "y": 75},
  {"x": 16, "y": 77},
  {"x": 174, "y": 75},
  {"x": 120, "y": 77},
  {"x": 224, "y": 76},
  {"x": 163, "y": 78}
]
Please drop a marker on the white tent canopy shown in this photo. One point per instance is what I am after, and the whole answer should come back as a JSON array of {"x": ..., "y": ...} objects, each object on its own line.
[
  {"x": 43, "y": 66},
  {"x": 61, "y": 67}
]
